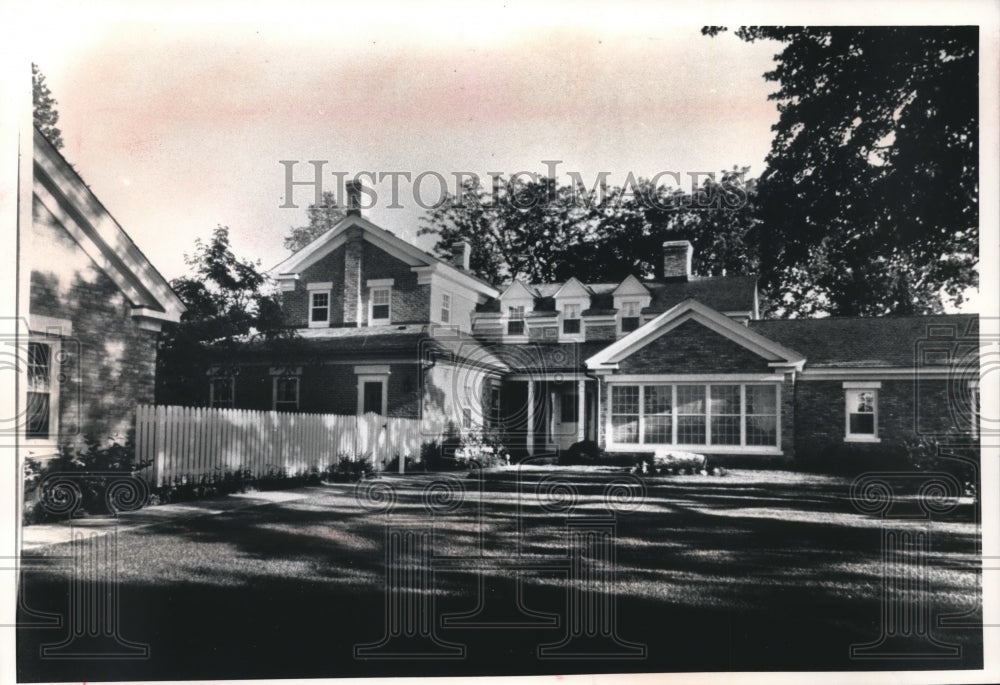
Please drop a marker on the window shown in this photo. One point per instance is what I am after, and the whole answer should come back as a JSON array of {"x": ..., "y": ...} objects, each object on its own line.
[
  {"x": 39, "y": 399},
  {"x": 286, "y": 393},
  {"x": 862, "y": 414},
  {"x": 380, "y": 305},
  {"x": 761, "y": 415},
  {"x": 625, "y": 413},
  {"x": 515, "y": 320},
  {"x": 445, "y": 308},
  {"x": 725, "y": 411},
  {"x": 223, "y": 392},
  {"x": 658, "y": 414},
  {"x": 466, "y": 418},
  {"x": 725, "y": 414},
  {"x": 319, "y": 308},
  {"x": 691, "y": 414},
  {"x": 630, "y": 316},
  {"x": 571, "y": 318},
  {"x": 494, "y": 408}
]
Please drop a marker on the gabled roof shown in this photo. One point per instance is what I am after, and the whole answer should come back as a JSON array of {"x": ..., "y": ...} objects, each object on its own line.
[
  {"x": 873, "y": 342},
  {"x": 518, "y": 291},
  {"x": 631, "y": 286},
  {"x": 61, "y": 196},
  {"x": 572, "y": 288},
  {"x": 775, "y": 353},
  {"x": 387, "y": 241}
]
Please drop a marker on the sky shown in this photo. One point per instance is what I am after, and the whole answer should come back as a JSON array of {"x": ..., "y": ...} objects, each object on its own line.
[{"x": 178, "y": 121}]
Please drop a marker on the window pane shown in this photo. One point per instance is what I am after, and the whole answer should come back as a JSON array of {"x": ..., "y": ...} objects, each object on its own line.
[
  {"x": 864, "y": 402},
  {"x": 38, "y": 415},
  {"x": 691, "y": 430},
  {"x": 691, "y": 399},
  {"x": 725, "y": 399},
  {"x": 287, "y": 389},
  {"x": 380, "y": 311},
  {"x": 625, "y": 399},
  {"x": 863, "y": 424},
  {"x": 373, "y": 397},
  {"x": 762, "y": 430},
  {"x": 380, "y": 296},
  {"x": 515, "y": 328},
  {"x": 762, "y": 399},
  {"x": 625, "y": 428},
  {"x": 656, "y": 399},
  {"x": 725, "y": 430},
  {"x": 629, "y": 324},
  {"x": 320, "y": 299},
  {"x": 658, "y": 430},
  {"x": 571, "y": 325},
  {"x": 39, "y": 365}
]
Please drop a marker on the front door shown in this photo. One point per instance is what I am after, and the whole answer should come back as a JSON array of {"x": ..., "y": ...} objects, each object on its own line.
[{"x": 564, "y": 419}]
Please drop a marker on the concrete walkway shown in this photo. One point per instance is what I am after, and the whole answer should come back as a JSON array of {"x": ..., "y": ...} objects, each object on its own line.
[{"x": 46, "y": 534}]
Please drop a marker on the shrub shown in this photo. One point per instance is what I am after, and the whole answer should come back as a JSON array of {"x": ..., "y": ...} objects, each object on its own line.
[
  {"x": 351, "y": 470},
  {"x": 482, "y": 448},
  {"x": 950, "y": 454},
  {"x": 584, "y": 452}
]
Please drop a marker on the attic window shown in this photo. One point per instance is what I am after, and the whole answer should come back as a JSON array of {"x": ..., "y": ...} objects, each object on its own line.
[
  {"x": 630, "y": 316},
  {"x": 571, "y": 318},
  {"x": 515, "y": 320},
  {"x": 319, "y": 307}
]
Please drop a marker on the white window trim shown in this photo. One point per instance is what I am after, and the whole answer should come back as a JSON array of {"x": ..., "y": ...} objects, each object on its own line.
[
  {"x": 851, "y": 387},
  {"x": 371, "y": 302},
  {"x": 506, "y": 318},
  {"x": 371, "y": 378},
  {"x": 52, "y": 441},
  {"x": 572, "y": 337},
  {"x": 274, "y": 389},
  {"x": 975, "y": 407},
  {"x": 320, "y": 289},
  {"x": 621, "y": 314},
  {"x": 707, "y": 446}
]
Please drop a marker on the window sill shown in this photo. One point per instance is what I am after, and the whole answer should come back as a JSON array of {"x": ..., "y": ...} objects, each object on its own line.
[
  {"x": 862, "y": 438},
  {"x": 319, "y": 324}
]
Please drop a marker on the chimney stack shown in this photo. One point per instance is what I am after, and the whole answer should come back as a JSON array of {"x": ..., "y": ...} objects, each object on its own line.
[
  {"x": 353, "y": 198},
  {"x": 677, "y": 256},
  {"x": 461, "y": 252}
]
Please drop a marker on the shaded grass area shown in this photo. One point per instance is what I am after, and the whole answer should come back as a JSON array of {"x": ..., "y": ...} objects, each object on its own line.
[{"x": 755, "y": 571}]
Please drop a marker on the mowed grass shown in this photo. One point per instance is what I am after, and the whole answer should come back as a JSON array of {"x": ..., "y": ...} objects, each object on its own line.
[{"x": 757, "y": 570}]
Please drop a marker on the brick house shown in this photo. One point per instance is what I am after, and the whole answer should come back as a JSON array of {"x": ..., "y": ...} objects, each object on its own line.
[
  {"x": 681, "y": 362},
  {"x": 95, "y": 308}
]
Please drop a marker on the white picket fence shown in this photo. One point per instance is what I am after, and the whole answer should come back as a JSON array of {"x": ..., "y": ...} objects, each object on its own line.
[{"x": 189, "y": 442}]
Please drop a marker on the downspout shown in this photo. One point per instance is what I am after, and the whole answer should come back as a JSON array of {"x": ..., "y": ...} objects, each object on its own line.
[{"x": 597, "y": 408}]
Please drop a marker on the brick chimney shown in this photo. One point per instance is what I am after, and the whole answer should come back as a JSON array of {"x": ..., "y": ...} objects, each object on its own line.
[
  {"x": 677, "y": 256},
  {"x": 461, "y": 252},
  {"x": 353, "y": 197}
]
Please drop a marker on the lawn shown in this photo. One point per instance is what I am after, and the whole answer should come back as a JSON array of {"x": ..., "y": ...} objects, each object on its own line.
[{"x": 756, "y": 570}]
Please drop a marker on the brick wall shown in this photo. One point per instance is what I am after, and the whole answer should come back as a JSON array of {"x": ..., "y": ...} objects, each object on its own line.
[
  {"x": 905, "y": 408},
  {"x": 692, "y": 348},
  {"x": 295, "y": 304},
  {"x": 595, "y": 332},
  {"x": 108, "y": 363},
  {"x": 410, "y": 301}
]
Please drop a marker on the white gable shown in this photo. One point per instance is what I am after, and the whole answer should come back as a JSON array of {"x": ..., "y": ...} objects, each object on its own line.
[
  {"x": 517, "y": 293},
  {"x": 630, "y": 286},
  {"x": 572, "y": 290}
]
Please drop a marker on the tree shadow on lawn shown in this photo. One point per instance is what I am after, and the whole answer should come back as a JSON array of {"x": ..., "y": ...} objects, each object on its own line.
[{"x": 287, "y": 590}]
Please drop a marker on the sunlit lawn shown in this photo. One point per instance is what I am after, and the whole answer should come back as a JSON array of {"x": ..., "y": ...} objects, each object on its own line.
[{"x": 757, "y": 570}]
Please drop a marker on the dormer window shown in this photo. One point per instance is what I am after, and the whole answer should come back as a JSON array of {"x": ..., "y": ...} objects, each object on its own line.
[
  {"x": 380, "y": 304},
  {"x": 630, "y": 316},
  {"x": 571, "y": 319},
  {"x": 515, "y": 320}
]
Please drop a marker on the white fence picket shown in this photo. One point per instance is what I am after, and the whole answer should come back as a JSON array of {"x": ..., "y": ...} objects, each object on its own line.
[{"x": 191, "y": 444}]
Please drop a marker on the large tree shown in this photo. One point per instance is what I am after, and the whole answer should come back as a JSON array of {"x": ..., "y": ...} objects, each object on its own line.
[
  {"x": 321, "y": 218},
  {"x": 542, "y": 231},
  {"x": 44, "y": 108},
  {"x": 870, "y": 196},
  {"x": 229, "y": 304}
]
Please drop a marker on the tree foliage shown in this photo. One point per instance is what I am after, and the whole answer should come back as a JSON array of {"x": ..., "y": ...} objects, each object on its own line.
[
  {"x": 542, "y": 231},
  {"x": 322, "y": 218},
  {"x": 870, "y": 195},
  {"x": 44, "y": 108},
  {"x": 229, "y": 304}
]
